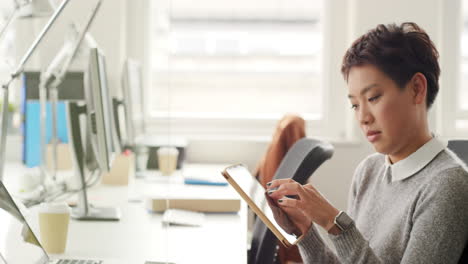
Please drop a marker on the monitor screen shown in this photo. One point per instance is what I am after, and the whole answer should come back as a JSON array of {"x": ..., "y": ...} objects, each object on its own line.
[
  {"x": 133, "y": 100},
  {"x": 99, "y": 110}
]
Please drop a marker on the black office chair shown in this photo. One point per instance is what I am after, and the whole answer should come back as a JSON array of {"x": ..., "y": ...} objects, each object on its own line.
[
  {"x": 460, "y": 147},
  {"x": 302, "y": 159}
]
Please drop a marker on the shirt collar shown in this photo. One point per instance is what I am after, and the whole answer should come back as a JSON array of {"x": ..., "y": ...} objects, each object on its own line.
[{"x": 416, "y": 161}]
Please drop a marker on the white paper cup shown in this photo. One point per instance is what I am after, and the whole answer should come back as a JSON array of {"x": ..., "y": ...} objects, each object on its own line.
[
  {"x": 141, "y": 158},
  {"x": 167, "y": 160},
  {"x": 53, "y": 225}
]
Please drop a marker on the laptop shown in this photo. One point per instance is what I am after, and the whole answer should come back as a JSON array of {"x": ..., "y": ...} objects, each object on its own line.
[{"x": 18, "y": 243}]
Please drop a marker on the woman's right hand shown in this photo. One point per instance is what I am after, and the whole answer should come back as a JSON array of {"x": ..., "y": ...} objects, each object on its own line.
[{"x": 291, "y": 219}]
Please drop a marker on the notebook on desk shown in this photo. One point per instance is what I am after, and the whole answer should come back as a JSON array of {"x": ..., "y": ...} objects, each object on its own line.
[{"x": 19, "y": 244}]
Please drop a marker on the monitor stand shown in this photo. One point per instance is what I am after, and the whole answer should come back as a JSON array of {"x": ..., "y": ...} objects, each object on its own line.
[
  {"x": 83, "y": 210},
  {"x": 96, "y": 214}
]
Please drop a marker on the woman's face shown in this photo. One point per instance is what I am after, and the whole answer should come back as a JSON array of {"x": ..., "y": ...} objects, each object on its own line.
[{"x": 386, "y": 113}]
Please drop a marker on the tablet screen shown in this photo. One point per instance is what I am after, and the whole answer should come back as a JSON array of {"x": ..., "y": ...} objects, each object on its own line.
[{"x": 256, "y": 194}]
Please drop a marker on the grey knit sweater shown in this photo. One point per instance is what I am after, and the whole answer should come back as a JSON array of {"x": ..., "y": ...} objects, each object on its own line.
[{"x": 422, "y": 218}]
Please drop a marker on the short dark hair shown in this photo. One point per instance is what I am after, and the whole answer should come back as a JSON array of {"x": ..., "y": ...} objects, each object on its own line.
[{"x": 399, "y": 52}]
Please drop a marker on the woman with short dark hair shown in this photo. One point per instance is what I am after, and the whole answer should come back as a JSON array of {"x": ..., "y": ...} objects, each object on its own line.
[{"x": 408, "y": 202}]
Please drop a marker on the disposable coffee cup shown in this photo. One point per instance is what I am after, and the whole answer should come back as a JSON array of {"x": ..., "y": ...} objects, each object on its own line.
[
  {"x": 167, "y": 160},
  {"x": 53, "y": 225},
  {"x": 141, "y": 158}
]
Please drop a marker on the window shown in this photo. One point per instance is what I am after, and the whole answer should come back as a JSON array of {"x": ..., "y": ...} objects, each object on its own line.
[
  {"x": 236, "y": 59},
  {"x": 462, "y": 122}
]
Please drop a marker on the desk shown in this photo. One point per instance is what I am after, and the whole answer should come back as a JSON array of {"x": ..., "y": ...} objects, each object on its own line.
[{"x": 140, "y": 236}]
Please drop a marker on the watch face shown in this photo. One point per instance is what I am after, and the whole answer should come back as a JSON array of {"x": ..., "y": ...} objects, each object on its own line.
[{"x": 343, "y": 221}]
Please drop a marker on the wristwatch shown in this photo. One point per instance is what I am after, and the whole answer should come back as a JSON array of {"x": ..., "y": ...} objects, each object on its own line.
[{"x": 343, "y": 221}]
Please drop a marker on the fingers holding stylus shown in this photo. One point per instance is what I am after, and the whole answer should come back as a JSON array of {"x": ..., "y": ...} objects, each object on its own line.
[
  {"x": 276, "y": 183},
  {"x": 285, "y": 189}
]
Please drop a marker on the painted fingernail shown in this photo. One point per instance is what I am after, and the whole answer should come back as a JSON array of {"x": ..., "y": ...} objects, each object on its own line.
[
  {"x": 270, "y": 192},
  {"x": 280, "y": 200},
  {"x": 268, "y": 184}
]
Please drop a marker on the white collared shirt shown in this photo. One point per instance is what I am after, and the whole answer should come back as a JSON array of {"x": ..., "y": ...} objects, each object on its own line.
[{"x": 414, "y": 162}]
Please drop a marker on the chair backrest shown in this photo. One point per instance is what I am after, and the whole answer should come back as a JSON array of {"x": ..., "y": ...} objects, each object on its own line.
[
  {"x": 460, "y": 147},
  {"x": 300, "y": 162},
  {"x": 304, "y": 157}
]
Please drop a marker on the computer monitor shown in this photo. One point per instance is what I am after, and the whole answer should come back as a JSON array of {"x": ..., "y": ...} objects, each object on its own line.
[
  {"x": 99, "y": 110},
  {"x": 133, "y": 99},
  {"x": 120, "y": 121},
  {"x": 92, "y": 135}
]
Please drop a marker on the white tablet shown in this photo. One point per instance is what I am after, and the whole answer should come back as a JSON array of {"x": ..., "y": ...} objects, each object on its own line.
[{"x": 254, "y": 194}]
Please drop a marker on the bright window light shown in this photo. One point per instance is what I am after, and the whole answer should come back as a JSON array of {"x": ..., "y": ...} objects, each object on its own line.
[
  {"x": 257, "y": 65},
  {"x": 461, "y": 122},
  {"x": 463, "y": 89}
]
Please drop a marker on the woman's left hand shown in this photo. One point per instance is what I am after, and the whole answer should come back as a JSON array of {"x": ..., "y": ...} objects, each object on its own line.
[{"x": 306, "y": 198}]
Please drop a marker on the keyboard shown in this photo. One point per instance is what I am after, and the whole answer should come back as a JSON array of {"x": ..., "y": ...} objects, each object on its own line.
[{"x": 78, "y": 261}]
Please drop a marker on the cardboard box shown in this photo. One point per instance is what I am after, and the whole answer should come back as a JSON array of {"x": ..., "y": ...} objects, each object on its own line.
[
  {"x": 194, "y": 204},
  {"x": 64, "y": 157},
  {"x": 123, "y": 169}
]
